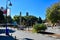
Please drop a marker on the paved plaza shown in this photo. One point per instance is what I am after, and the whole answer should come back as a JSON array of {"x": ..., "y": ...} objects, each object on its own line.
[{"x": 26, "y": 35}]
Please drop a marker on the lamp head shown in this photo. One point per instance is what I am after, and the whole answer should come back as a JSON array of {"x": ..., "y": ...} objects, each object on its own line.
[{"x": 10, "y": 4}]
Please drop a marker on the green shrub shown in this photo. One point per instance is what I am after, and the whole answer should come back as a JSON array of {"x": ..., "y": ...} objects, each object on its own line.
[{"x": 39, "y": 27}]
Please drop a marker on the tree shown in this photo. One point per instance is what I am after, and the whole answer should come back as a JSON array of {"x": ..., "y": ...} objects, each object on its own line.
[
  {"x": 53, "y": 13},
  {"x": 39, "y": 20},
  {"x": 27, "y": 14},
  {"x": 9, "y": 19},
  {"x": 1, "y": 16},
  {"x": 39, "y": 28},
  {"x": 26, "y": 20},
  {"x": 16, "y": 18},
  {"x": 30, "y": 20}
]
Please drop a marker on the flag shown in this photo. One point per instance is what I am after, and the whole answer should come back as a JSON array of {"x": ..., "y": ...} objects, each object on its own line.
[
  {"x": 5, "y": 11},
  {"x": 8, "y": 12}
]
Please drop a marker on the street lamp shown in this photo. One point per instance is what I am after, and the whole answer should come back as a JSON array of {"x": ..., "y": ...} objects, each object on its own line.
[
  {"x": 20, "y": 18},
  {"x": 10, "y": 4}
]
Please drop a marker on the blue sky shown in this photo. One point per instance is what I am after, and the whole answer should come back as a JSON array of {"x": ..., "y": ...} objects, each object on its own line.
[{"x": 34, "y": 7}]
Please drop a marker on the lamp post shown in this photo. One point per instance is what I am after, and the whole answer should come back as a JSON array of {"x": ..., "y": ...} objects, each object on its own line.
[
  {"x": 20, "y": 18},
  {"x": 7, "y": 32}
]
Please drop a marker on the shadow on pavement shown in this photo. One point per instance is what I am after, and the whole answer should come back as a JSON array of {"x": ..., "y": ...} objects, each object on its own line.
[
  {"x": 6, "y": 38},
  {"x": 27, "y": 39},
  {"x": 46, "y": 33},
  {"x": 4, "y": 30}
]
